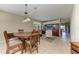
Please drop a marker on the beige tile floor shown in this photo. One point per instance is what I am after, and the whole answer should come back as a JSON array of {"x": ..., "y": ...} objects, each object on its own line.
[{"x": 55, "y": 45}]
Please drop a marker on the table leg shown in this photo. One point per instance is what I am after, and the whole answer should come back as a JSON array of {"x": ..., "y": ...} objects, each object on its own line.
[{"x": 24, "y": 45}]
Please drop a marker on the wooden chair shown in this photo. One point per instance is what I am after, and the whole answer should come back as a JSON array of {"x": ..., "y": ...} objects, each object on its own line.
[
  {"x": 75, "y": 47},
  {"x": 32, "y": 44},
  {"x": 12, "y": 43},
  {"x": 35, "y": 31},
  {"x": 21, "y": 30}
]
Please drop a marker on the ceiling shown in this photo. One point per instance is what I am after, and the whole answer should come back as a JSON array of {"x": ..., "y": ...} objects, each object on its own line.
[{"x": 40, "y": 12}]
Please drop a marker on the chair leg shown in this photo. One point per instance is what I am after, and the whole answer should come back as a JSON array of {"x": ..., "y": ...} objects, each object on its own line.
[
  {"x": 22, "y": 51},
  {"x": 37, "y": 47},
  {"x": 7, "y": 51},
  {"x": 21, "y": 48},
  {"x": 25, "y": 47},
  {"x": 39, "y": 41},
  {"x": 30, "y": 48}
]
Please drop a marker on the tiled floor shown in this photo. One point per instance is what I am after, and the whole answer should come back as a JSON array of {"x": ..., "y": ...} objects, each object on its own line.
[{"x": 53, "y": 45}]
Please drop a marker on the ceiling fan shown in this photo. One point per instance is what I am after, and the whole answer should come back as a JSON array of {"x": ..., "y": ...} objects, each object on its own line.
[{"x": 26, "y": 17}]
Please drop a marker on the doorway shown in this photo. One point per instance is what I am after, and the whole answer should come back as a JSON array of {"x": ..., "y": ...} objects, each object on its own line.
[{"x": 65, "y": 29}]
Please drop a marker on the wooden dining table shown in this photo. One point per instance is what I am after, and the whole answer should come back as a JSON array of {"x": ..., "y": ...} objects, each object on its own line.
[{"x": 23, "y": 37}]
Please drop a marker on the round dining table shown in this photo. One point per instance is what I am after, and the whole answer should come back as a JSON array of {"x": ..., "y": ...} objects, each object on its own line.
[{"x": 23, "y": 37}]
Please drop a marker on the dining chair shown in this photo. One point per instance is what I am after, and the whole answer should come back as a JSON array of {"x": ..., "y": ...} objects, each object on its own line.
[
  {"x": 32, "y": 44},
  {"x": 21, "y": 30},
  {"x": 35, "y": 31},
  {"x": 12, "y": 43}
]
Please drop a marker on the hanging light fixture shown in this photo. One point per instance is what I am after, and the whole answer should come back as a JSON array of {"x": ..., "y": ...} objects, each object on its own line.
[{"x": 26, "y": 17}]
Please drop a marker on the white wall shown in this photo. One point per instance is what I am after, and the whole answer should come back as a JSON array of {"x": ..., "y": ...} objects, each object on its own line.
[
  {"x": 12, "y": 23},
  {"x": 75, "y": 24}
]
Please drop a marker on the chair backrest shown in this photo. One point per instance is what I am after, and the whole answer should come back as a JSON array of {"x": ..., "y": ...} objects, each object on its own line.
[
  {"x": 20, "y": 30},
  {"x": 6, "y": 36},
  {"x": 11, "y": 35},
  {"x": 34, "y": 38},
  {"x": 34, "y": 31}
]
